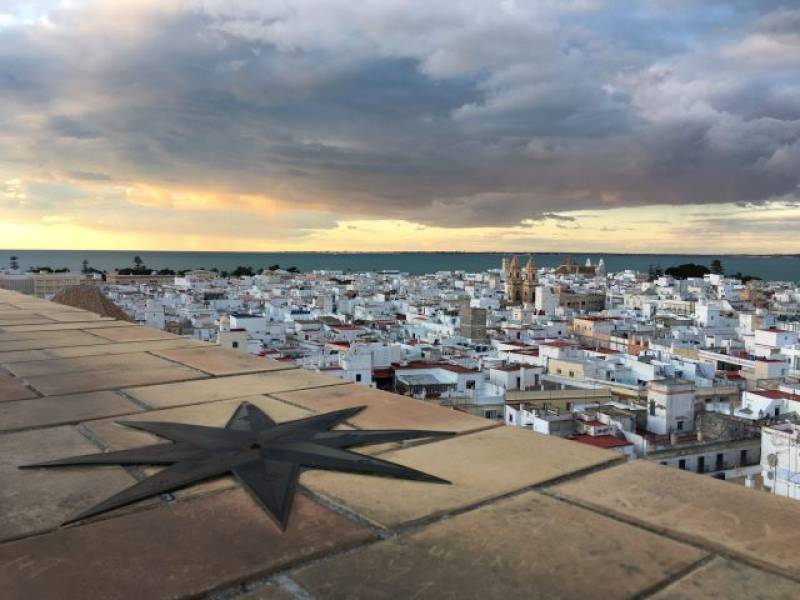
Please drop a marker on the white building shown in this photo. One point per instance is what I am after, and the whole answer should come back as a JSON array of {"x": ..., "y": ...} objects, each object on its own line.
[{"x": 780, "y": 459}]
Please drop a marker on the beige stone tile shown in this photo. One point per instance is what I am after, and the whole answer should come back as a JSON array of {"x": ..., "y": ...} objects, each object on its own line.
[
  {"x": 729, "y": 580},
  {"x": 34, "y": 500},
  {"x": 181, "y": 550},
  {"x": 37, "y": 340},
  {"x": 139, "y": 361},
  {"x": 529, "y": 546},
  {"x": 13, "y": 389},
  {"x": 219, "y": 361},
  {"x": 480, "y": 466},
  {"x": 223, "y": 388},
  {"x": 714, "y": 513},
  {"x": 58, "y": 410},
  {"x": 121, "y": 347},
  {"x": 69, "y": 316},
  {"x": 385, "y": 410},
  {"x": 23, "y": 356},
  {"x": 132, "y": 333},
  {"x": 87, "y": 324},
  {"x": 108, "y": 379}
]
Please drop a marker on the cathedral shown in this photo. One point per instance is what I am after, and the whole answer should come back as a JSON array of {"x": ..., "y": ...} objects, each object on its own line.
[{"x": 520, "y": 283}]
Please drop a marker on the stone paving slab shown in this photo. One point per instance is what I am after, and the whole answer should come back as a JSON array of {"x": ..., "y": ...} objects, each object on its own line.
[
  {"x": 710, "y": 512},
  {"x": 13, "y": 389},
  {"x": 730, "y": 580},
  {"x": 219, "y": 361},
  {"x": 23, "y": 356},
  {"x": 385, "y": 410},
  {"x": 480, "y": 466},
  {"x": 35, "y": 500},
  {"x": 224, "y": 388},
  {"x": 138, "y": 361},
  {"x": 86, "y": 324},
  {"x": 132, "y": 333},
  {"x": 38, "y": 340},
  {"x": 529, "y": 546},
  {"x": 107, "y": 379},
  {"x": 57, "y": 410},
  {"x": 121, "y": 347},
  {"x": 174, "y": 551}
]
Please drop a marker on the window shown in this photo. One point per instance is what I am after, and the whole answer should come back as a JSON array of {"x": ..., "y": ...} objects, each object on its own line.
[
  {"x": 572, "y": 373},
  {"x": 358, "y": 377},
  {"x": 234, "y": 344},
  {"x": 682, "y": 464},
  {"x": 701, "y": 464},
  {"x": 471, "y": 385},
  {"x": 743, "y": 457},
  {"x": 680, "y": 425},
  {"x": 777, "y": 411},
  {"x": 510, "y": 419},
  {"x": 719, "y": 465},
  {"x": 652, "y": 408}
]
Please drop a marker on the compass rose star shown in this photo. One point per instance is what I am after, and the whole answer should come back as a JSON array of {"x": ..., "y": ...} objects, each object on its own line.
[{"x": 265, "y": 457}]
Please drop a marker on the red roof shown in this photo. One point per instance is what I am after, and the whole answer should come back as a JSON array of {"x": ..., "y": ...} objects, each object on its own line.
[
  {"x": 600, "y": 441},
  {"x": 420, "y": 364}
]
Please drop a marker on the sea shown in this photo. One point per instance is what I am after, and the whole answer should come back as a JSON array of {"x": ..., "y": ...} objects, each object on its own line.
[{"x": 783, "y": 267}]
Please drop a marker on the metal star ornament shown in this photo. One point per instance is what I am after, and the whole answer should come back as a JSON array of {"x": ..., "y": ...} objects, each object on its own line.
[{"x": 266, "y": 457}]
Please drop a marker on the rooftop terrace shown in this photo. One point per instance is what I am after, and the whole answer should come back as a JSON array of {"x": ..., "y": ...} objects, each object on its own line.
[{"x": 526, "y": 516}]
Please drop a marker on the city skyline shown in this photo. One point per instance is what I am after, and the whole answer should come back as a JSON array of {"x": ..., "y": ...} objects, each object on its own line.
[{"x": 660, "y": 126}]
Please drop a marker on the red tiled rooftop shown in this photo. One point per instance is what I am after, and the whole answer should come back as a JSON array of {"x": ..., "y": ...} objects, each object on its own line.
[{"x": 600, "y": 441}]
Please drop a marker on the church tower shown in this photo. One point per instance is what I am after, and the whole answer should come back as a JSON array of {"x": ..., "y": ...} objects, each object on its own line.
[
  {"x": 529, "y": 282},
  {"x": 514, "y": 282}
]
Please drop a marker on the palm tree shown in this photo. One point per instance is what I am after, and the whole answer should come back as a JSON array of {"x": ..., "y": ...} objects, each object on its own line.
[{"x": 14, "y": 263}]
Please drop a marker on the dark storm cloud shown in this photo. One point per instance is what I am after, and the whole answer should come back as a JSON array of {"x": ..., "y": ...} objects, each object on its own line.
[{"x": 477, "y": 114}]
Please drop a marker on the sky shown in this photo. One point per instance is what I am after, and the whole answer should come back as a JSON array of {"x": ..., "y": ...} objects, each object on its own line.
[{"x": 265, "y": 125}]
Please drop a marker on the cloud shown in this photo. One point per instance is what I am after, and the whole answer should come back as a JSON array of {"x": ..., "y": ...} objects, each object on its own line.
[{"x": 459, "y": 115}]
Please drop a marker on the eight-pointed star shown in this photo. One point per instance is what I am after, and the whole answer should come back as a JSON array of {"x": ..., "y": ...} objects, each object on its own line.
[{"x": 266, "y": 457}]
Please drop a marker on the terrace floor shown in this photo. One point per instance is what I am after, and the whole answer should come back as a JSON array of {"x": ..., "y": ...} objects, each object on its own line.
[{"x": 526, "y": 515}]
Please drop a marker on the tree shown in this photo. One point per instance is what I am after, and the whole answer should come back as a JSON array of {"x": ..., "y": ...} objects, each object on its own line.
[
  {"x": 292, "y": 270},
  {"x": 716, "y": 267},
  {"x": 241, "y": 271},
  {"x": 139, "y": 264},
  {"x": 85, "y": 267},
  {"x": 687, "y": 270},
  {"x": 273, "y": 267},
  {"x": 14, "y": 263},
  {"x": 166, "y": 272}
]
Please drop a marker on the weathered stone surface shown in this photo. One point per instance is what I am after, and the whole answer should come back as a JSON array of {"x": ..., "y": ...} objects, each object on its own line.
[
  {"x": 34, "y": 500},
  {"x": 480, "y": 466},
  {"x": 530, "y": 546},
  {"x": 236, "y": 386},
  {"x": 132, "y": 333},
  {"x": 122, "y": 347},
  {"x": 107, "y": 379},
  {"x": 730, "y": 580},
  {"x": 219, "y": 361},
  {"x": 139, "y": 361},
  {"x": 13, "y": 389},
  {"x": 37, "y": 340},
  {"x": 385, "y": 410},
  {"x": 714, "y": 513},
  {"x": 57, "y": 410},
  {"x": 22, "y": 356},
  {"x": 174, "y": 551},
  {"x": 90, "y": 324}
]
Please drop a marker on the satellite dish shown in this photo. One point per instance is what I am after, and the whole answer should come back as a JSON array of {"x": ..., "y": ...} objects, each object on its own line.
[{"x": 772, "y": 460}]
